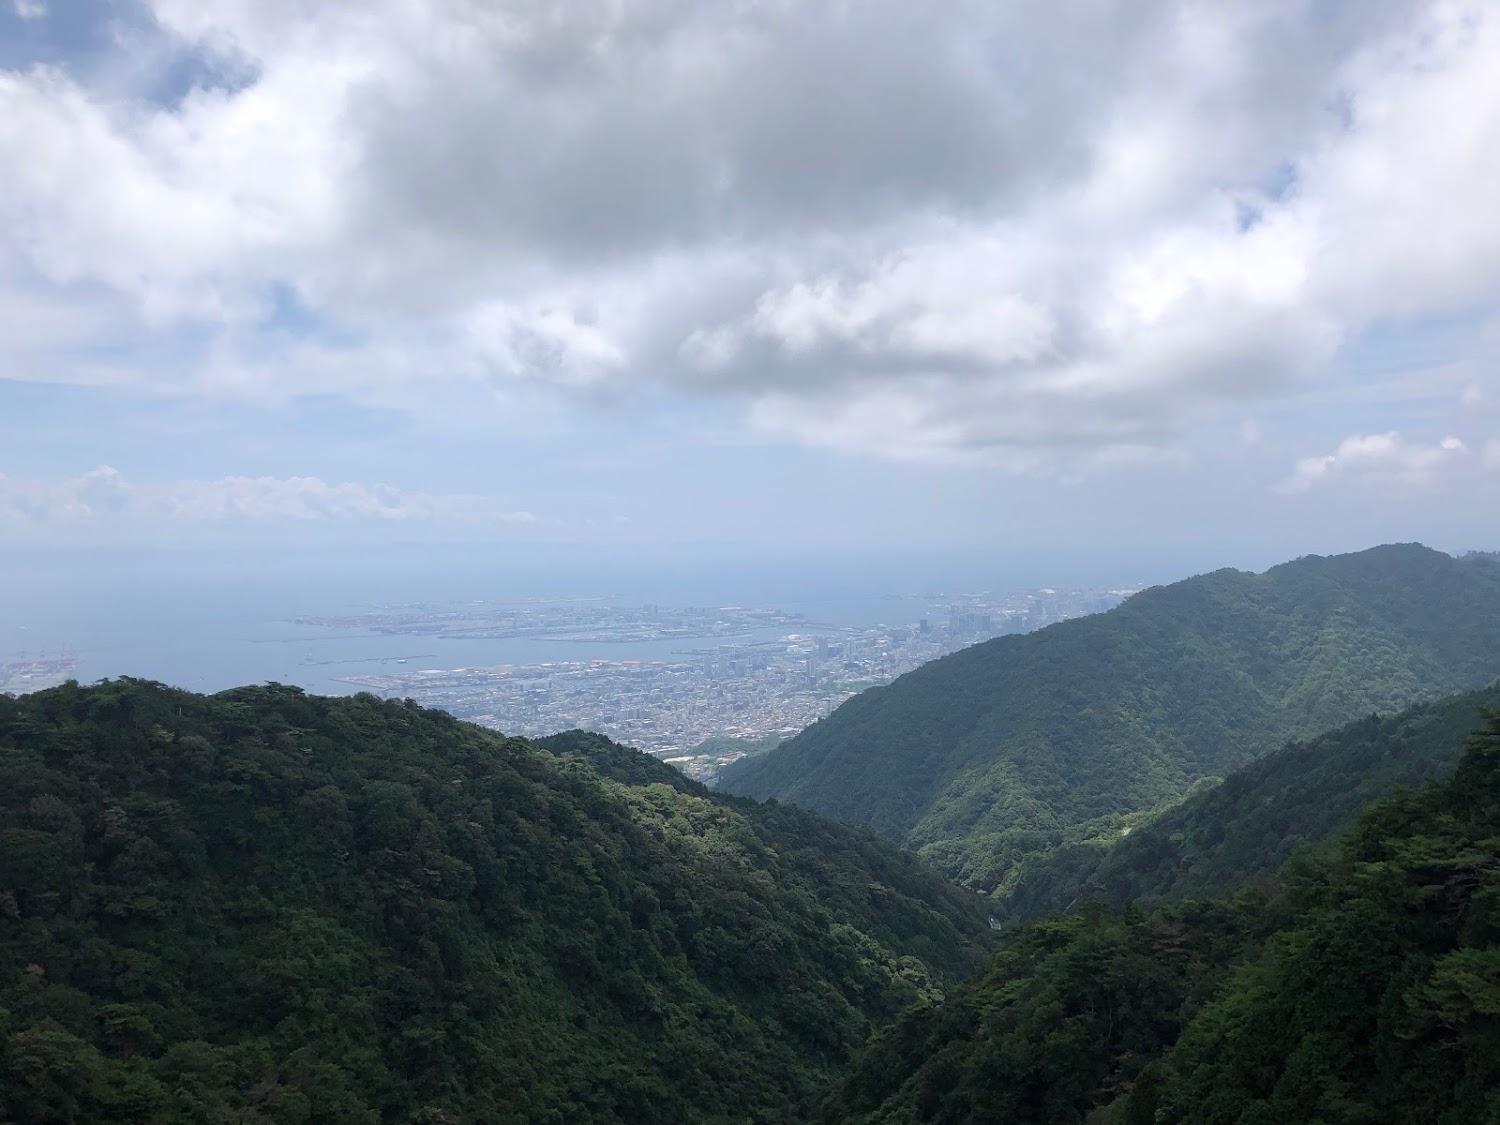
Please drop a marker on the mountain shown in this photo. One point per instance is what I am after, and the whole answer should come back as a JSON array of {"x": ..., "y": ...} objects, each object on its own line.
[
  {"x": 1362, "y": 986},
  {"x": 1224, "y": 836},
  {"x": 1026, "y": 743},
  {"x": 263, "y": 906}
]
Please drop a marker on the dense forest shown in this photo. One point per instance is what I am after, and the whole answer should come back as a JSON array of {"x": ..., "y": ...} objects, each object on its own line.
[
  {"x": 268, "y": 907},
  {"x": 263, "y": 906},
  {"x": 1224, "y": 836},
  {"x": 1361, "y": 985},
  {"x": 1023, "y": 744}
]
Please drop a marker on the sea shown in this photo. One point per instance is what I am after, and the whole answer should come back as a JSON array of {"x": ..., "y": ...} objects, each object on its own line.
[{"x": 207, "y": 620}]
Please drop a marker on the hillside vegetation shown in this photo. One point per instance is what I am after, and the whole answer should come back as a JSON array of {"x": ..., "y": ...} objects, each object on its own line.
[
  {"x": 1024, "y": 744},
  {"x": 1227, "y": 835},
  {"x": 1363, "y": 985},
  {"x": 263, "y": 906}
]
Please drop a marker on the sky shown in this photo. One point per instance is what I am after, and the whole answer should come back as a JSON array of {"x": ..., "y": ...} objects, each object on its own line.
[{"x": 1221, "y": 279}]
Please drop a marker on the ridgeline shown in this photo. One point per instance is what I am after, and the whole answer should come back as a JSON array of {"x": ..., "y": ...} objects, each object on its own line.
[
  {"x": 1361, "y": 985},
  {"x": 1013, "y": 748},
  {"x": 264, "y": 906},
  {"x": 1226, "y": 836}
]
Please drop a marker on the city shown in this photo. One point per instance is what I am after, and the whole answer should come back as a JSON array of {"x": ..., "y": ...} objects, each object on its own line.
[
  {"x": 25, "y": 673},
  {"x": 698, "y": 708}
]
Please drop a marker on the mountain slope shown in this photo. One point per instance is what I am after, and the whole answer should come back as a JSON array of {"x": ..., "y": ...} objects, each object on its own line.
[
  {"x": 1225, "y": 836},
  {"x": 263, "y": 906},
  {"x": 1363, "y": 986},
  {"x": 1024, "y": 743}
]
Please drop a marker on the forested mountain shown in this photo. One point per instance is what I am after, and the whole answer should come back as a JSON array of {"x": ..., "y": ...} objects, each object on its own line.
[
  {"x": 1223, "y": 837},
  {"x": 1025, "y": 743},
  {"x": 1362, "y": 986},
  {"x": 263, "y": 906}
]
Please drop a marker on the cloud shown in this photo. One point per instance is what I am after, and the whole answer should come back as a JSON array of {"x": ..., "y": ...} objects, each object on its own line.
[
  {"x": 1491, "y": 455},
  {"x": 1383, "y": 458},
  {"x": 972, "y": 232},
  {"x": 29, "y": 9},
  {"x": 105, "y": 494}
]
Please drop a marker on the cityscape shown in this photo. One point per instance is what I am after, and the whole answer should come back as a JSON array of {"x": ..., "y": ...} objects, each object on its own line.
[
  {"x": 772, "y": 673},
  {"x": 26, "y": 673},
  {"x": 697, "y": 686}
]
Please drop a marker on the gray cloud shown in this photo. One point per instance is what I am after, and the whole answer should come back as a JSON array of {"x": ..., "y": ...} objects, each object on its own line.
[{"x": 983, "y": 232}]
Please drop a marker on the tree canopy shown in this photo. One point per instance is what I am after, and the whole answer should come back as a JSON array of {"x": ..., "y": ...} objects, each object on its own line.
[
  {"x": 264, "y": 906},
  {"x": 1361, "y": 985},
  {"x": 1224, "y": 836},
  {"x": 1024, "y": 744}
]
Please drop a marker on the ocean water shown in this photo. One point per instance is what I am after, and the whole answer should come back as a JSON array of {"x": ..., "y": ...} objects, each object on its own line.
[{"x": 209, "y": 620}]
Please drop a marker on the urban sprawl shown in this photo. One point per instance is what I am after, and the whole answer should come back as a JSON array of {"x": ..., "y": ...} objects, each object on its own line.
[{"x": 771, "y": 674}]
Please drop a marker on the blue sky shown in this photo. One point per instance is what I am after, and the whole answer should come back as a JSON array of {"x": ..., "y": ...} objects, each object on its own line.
[{"x": 1216, "y": 278}]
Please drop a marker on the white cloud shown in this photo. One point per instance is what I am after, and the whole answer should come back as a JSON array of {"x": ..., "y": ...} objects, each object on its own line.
[
  {"x": 104, "y": 493},
  {"x": 1491, "y": 454},
  {"x": 1385, "y": 458},
  {"x": 28, "y": 9},
  {"x": 967, "y": 232}
]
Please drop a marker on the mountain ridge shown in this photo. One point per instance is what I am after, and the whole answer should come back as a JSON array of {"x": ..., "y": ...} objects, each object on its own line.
[
  {"x": 1228, "y": 835},
  {"x": 1361, "y": 984},
  {"x": 1015, "y": 746},
  {"x": 265, "y": 906}
]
